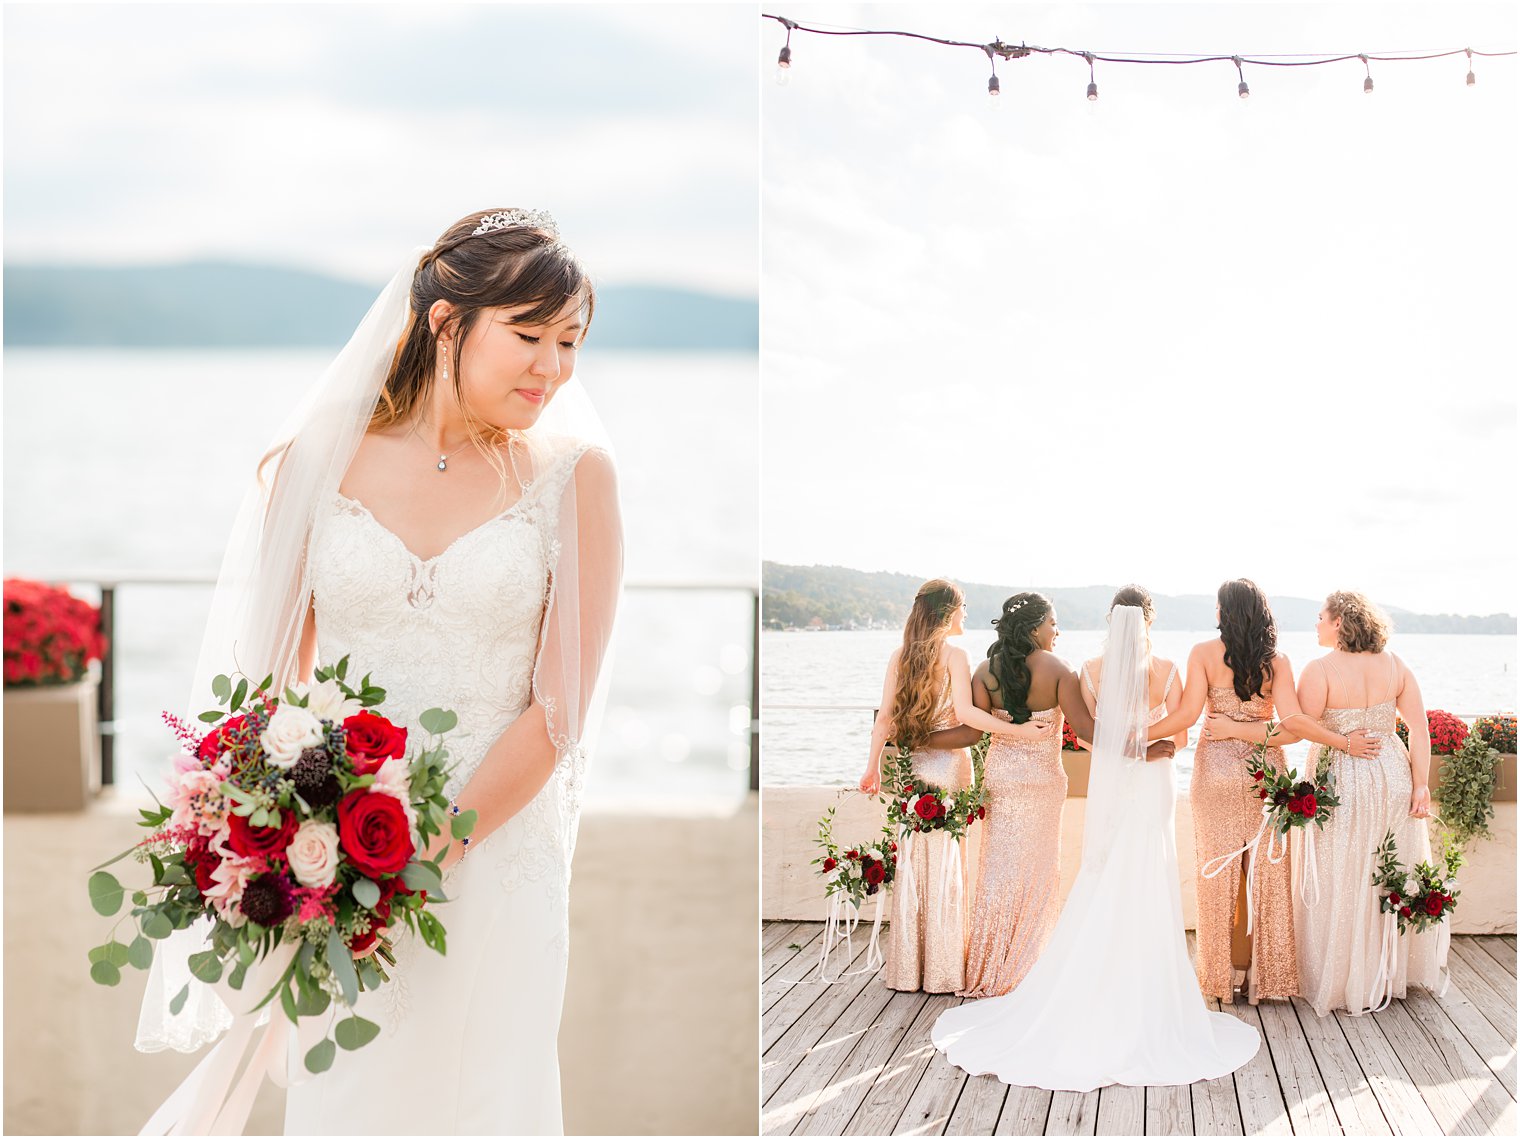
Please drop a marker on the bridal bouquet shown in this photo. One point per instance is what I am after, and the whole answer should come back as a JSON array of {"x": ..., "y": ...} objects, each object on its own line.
[
  {"x": 858, "y": 871},
  {"x": 918, "y": 806},
  {"x": 1422, "y": 897},
  {"x": 1288, "y": 802},
  {"x": 297, "y": 822}
]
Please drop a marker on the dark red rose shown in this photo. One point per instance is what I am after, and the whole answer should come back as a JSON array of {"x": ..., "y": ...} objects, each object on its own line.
[
  {"x": 1394, "y": 898},
  {"x": 829, "y": 864},
  {"x": 362, "y": 941},
  {"x": 202, "y": 861},
  {"x": 1295, "y": 805},
  {"x": 1259, "y": 776},
  {"x": 1311, "y": 805},
  {"x": 212, "y": 746},
  {"x": 875, "y": 872},
  {"x": 852, "y": 855},
  {"x": 373, "y": 833},
  {"x": 370, "y": 739},
  {"x": 981, "y": 812},
  {"x": 1433, "y": 905},
  {"x": 1404, "y": 911},
  {"x": 894, "y": 847},
  {"x": 1263, "y": 793},
  {"x": 927, "y": 808},
  {"x": 908, "y": 790},
  {"x": 251, "y": 841}
]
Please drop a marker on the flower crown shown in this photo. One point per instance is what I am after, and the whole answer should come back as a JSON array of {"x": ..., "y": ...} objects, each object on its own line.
[{"x": 510, "y": 219}]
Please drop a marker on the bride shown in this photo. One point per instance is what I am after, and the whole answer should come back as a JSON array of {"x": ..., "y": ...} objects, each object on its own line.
[
  {"x": 1112, "y": 999},
  {"x": 438, "y": 510}
]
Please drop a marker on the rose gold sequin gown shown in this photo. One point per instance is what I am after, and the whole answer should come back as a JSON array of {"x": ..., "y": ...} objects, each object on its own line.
[
  {"x": 1019, "y": 874},
  {"x": 1339, "y": 937},
  {"x": 926, "y": 937},
  {"x": 1226, "y": 814}
]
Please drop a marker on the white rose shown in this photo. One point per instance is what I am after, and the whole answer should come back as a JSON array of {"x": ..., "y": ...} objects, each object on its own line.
[
  {"x": 855, "y": 870},
  {"x": 326, "y": 701},
  {"x": 313, "y": 853},
  {"x": 1451, "y": 884},
  {"x": 833, "y": 875},
  {"x": 291, "y": 731}
]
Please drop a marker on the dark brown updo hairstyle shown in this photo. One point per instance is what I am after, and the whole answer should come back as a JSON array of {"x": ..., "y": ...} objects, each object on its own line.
[
  {"x": 1023, "y": 613},
  {"x": 1249, "y": 633},
  {"x": 1364, "y": 627},
  {"x": 918, "y": 682},
  {"x": 520, "y": 266}
]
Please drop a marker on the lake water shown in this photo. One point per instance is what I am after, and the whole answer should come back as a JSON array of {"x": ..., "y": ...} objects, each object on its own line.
[
  {"x": 818, "y": 690},
  {"x": 131, "y": 463}
]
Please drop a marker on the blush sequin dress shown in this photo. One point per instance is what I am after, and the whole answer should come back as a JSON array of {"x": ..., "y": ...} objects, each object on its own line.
[
  {"x": 926, "y": 937},
  {"x": 1226, "y": 814},
  {"x": 1019, "y": 871},
  {"x": 1340, "y": 934}
]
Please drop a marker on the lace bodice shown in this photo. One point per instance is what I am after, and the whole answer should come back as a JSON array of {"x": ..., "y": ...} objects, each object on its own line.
[{"x": 1223, "y": 699}]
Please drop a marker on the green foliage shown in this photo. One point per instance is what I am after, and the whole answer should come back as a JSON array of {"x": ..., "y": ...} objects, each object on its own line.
[
  {"x": 1465, "y": 796},
  {"x": 355, "y": 1032},
  {"x": 106, "y": 893},
  {"x": 321, "y": 1057}
]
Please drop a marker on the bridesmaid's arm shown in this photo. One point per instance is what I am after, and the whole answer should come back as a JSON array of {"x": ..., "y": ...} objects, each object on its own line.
[
  {"x": 960, "y": 735},
  {"x": 972, "y": 716},
  {"x": 1173, "y": 702},
  {"x": 1190, "y": 706},
  {"x": 1411, "y": 705},
  {"x": 870, "y": 782},
  {"x": 1301, "y": 707},
  {"x": 1073, "y": 705}
]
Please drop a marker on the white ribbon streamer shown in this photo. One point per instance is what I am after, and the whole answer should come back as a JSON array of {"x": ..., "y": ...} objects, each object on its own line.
[
  {"x": 905, "y": 880},
  {"x": 1388, "y": 960},
  {"x": 949, "y": 880},
  {"x": 1249, "y": 850}
]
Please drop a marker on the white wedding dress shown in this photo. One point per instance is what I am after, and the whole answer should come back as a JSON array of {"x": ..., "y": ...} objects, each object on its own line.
[
  {"x": 1113, "y": 998},
  {"x": 468, "y": 1041}
]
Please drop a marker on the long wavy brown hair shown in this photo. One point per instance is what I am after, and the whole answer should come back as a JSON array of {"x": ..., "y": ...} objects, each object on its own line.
[{"x": 920, "y": 680}]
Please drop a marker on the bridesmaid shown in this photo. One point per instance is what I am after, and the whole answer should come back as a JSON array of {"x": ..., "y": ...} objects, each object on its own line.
[
  {"x": 1019, "y": 874},
  {"x": 928, "y": 687},
  {"x": 1357, "y": 687}
]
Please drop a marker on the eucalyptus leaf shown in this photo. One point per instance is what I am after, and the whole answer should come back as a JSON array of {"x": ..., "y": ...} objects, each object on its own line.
[
  {"x": 239, "y": 693},
  {"x": 422, "y": 876},
  {"x": 206, "y": 966},
  {"x": 288, "y": 1003},
  {"x": 313, "y": 1002},
  {"x": 178, "y": 1002},
  {"x": 238, "y": 975},
  {"x": 436, "y": 721},
  {"x": 341, "y": 961},
  {"x": 366, "y": 893},
  {"x": 140, "y": 953},
  {"x": 463, "y": 823},
  {"x": 355, "y": 1032},
  {"x": 112, "y": 951},
  {"x": 104, "y": 973},
  {"x": 321, "y": 1057},
  {"x": 106, "y": 893},
  {"x": 221, "y": 687},
  {"x": 343, "y": 669},
  {"x": 210, "y": 717}
]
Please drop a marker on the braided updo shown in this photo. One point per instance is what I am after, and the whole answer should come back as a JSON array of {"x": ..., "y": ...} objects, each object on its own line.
[
  {"x": 1364, "y": 627},
  {"x": 1023, "y": 613}
]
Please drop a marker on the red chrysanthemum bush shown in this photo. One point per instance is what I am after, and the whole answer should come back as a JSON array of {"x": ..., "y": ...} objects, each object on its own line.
[
  {"x": 1447, "y": 732},
  {"x": 51, "y": 636}
]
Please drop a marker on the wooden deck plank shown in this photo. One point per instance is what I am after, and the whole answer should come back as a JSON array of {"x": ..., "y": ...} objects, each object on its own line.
[
  {"x": 1169, "y": 1110},
  {"x": 1024, "y": 1112},
  {"x": 1403, "y": 1107},
  {"x": 1498, "y": 979},
  {"x": 1350, "y": 1094},
  {"x": 1491, "y": 1101},
  {"x": 1509, "y": 940},
  {"x": 889, "y": 1094},
  {"x": 1459, "y": 1099},
  {"x": 980, "y": 1107},
  {"x": 928, "y": 1109},
  {"x": 1072, "y": 1113},
  {"x": 1497, "y": 1052},
  {"x": 1121, "y": 1110},
  {"x": 1298, "y": 1077},
  {"x": 1495, "y": 948},
  {"x": 1485, "y": 998},
  {"x": 774, "y": 933},
  {"x": 1216, "y": 1109},
  {"x": 779, "y": 956},
  {"x": 792, "y": 1083},
  {"x": 852, "y": 1082},
  {"x": 1263, "y": 1111},
  {"x": 803, "y": 1014}
]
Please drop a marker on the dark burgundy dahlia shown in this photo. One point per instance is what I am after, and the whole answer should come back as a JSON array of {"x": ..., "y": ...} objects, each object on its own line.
[
  {"x": 314, "y": 779},
  {"x": 267, "y": 900}
]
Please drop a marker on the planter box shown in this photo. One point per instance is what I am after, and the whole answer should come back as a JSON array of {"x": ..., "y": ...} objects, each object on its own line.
[{"x": 52, "y": 747}]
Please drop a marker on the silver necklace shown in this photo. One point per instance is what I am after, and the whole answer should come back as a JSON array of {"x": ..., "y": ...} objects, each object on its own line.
[{"x": 443, "y": 460}]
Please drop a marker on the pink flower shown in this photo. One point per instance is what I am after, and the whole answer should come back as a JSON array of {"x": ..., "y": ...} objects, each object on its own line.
[
  {"x": 314, "y": 904},
  {"x": 196, "y": 798},
  {"x": 231, "y": 877}
]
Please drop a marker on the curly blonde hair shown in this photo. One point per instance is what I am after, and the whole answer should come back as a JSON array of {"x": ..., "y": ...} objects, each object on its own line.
[
  {"x": 919, "y": 683},
  {"x": 1364, "y": 627}
]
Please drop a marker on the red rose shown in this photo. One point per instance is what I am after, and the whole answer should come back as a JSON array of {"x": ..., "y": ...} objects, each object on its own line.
[
  {"x": 829, "y": 864},
  {"x": 908, "y": 790},
  {"x": 1433, "y": 905},
  {"x": 389, "y": 888},
  {"x": 1394, "y": 898},
  {"x": 981, "y": 812},
  {"x": 894, "y": 847},
  {"x": 370, "y": 739},
  {"x": 373, "y": 832},
  {"x": 202, "y": 861},
  {"x": 1404, "y": 911},
  {"x": 1294, "y": 804},
  {"x": 852, "y": 855},
  {"x": 1311, "y": 805},
  {"x": 362, "y": 941},
  {"x": 250, "y": 841},
  {"x": 1259, "y": 776},
  {"x": 927, "y": 808},
  {"x": 212, "y": 746},
  {"x": 875, "y": 872},
  {"x": 1262, "y": 793}
]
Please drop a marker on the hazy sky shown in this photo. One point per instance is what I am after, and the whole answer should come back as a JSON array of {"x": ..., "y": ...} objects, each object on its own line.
[
  {"x": 336, "y": 136},
  {"x": 1172, "y": 336}
]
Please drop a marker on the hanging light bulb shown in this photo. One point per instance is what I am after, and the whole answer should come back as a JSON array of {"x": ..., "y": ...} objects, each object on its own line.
[
  {"x": 1092, "y": 80},
  {"x": 1471, "y": 78},
  {"x": 784, "y": 59},
  {"x": 1366, "y": 83},
  {"x": 994, "y": 88},
  {"x": 1244, "y": 90}
]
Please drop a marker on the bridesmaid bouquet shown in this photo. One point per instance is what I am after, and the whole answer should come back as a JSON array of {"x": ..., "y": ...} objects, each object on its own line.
[
  {"x": 858, "y": 871},
  {"x": 919, "y": 806},
  {"x": 298, "y": 827},
  {"x": 1420, "y": 898},
  {"x": 1290, "y": 803}
]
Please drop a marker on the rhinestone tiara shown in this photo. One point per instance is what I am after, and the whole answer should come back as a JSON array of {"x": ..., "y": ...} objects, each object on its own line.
[{"x": 508, "y": 219}]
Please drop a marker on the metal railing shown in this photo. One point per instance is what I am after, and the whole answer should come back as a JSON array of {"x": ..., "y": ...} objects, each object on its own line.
[{"x": 107, "y": 693}]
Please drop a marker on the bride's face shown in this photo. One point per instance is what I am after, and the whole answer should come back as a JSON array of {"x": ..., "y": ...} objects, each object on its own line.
[
  {"x": 1046, "y": 632},
  {"x": 509, "y": 372},
  {"x": 1328, "y": 629}
]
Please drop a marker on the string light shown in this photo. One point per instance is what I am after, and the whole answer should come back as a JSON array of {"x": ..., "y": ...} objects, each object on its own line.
[
  {"x": 784, "y": 59},
  {"x": 994, "y": 88},
  {"x": 1009, "y": 52}
]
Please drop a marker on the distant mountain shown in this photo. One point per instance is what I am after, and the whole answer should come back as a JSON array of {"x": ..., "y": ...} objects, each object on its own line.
[
  {"x": 229, "y": 305},
  {"x": 796, "y": 596}
]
